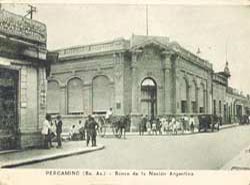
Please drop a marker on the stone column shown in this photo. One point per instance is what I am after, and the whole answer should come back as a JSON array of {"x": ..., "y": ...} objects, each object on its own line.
[
  {"x": 87, "y": 98},
  {"x": 197, "y": 100},
  {"x": 135, "y": 116},
  {"x": 188, "y": 98},
  {"x": 63, "y": 99},
  {"x": 113, "y": 96},
  {"x": 118, "y": 84},
  {"x": 167, "y": 91},
  {"x": 170, "y": 68}
]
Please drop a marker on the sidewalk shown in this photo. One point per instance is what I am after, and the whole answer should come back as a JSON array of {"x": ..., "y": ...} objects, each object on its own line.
[
  {"x": 240, "y": 162},
  {"x": 13, "y": 159}
]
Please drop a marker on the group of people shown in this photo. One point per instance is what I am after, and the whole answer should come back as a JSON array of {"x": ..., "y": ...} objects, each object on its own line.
[
  {"x": 77, "y": 132},
  {"x": 89, "y": 128},
  {"x": 168, "y": 125},
  {"x": 50, "y": 130}
]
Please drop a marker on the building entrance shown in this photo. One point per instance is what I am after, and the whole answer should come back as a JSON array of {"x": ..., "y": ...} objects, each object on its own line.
[
  {"x": 149, "y": 98},
  {"x": 8, "y": 109}
]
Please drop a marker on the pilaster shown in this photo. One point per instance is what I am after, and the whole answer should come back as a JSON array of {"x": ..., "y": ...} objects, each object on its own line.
[
  {"x": 63, "y": 99},
  {"x": 135, "y": 117}
]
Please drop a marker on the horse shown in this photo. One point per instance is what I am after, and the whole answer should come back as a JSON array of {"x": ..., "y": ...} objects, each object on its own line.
[{"x": 119, "y": 125}]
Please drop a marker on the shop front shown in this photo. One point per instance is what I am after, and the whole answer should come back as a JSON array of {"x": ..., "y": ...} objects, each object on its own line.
[
  {"x": 8, "y": 108},
  {"x": 23, "y": 64}
]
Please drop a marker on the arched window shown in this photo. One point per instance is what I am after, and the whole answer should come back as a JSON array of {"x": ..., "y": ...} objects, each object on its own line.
[
  {"x": 101, "y": 94},
  {"x": 53, "y": 97},
  {"x": 75, "y": 96},
  {"x": 183, "y": 95}
]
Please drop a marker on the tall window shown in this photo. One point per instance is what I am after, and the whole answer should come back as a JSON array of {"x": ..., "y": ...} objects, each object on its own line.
[
  {"x": 183, "y": 95},
  {"x": 75, "y": 96},
  {"x": 193, "y": 97},
  {"x": 53, "y": 97},
  {"x": 214, "y": 106},
  {"x": 202, "y": 98},
  {"x": 101, "y": 94},
  {"x": 220, "y": 107}
]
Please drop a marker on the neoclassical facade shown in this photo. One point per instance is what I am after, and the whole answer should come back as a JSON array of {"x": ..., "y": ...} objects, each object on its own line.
[{"x": 147, "y": 75}]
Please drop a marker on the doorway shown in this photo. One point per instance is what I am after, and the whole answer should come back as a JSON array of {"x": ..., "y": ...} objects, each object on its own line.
[
  {"x": 8, "y": 109},
  {"x": 149, "y": 98}
]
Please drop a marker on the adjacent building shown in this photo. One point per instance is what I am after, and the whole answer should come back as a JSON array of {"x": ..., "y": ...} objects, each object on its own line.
[
  {"x": 22, "y": 81},
  {"x": 148, "y": 75}
]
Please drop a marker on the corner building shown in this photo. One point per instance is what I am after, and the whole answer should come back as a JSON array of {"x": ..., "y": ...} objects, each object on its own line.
[{"x": 22, "y": 81}]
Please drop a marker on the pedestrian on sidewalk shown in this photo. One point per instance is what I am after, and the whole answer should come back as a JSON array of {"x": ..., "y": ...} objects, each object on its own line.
[
  {"x": 73, "y": 134},
  {"x": 81, "y": 130},
  {"x": 46, "y": 130},
  {"x": 93, "y": 127},
  {"x": 87, "y": 128},
  {"x": 191, "y": 123},
  {"x": 59, "y": 131},
  {"x": 154, "y": 127},
  {"x": 142, "y": 125},
  {"x": 148, "y": 125},
  {"x": 52, "y": 132}
]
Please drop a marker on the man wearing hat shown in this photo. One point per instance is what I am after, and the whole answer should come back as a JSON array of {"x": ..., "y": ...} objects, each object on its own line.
[
  {"x": 87, "y": 128},
  {"x": 92, "y": 127},
  {"x": 59, "y": 131}
]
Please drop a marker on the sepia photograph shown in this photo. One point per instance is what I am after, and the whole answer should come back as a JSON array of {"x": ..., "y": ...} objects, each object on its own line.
[{"x": 124, "y": 86}]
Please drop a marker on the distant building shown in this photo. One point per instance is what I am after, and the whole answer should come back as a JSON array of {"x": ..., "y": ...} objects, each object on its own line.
[
  {"x": 22, "y": 81},
  {"x": 147, "y": 75}
]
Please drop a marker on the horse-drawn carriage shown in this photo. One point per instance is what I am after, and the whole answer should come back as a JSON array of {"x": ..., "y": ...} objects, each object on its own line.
[{"x": 118, "y": 125}]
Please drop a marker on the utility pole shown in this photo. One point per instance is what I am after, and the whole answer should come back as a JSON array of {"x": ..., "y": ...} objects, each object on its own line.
[
  {"x": 32, "y": 9},
  {"x": 147, "y": 20}
]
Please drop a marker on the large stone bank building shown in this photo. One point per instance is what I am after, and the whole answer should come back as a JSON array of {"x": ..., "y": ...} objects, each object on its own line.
[{"x": 144, "y": 75}]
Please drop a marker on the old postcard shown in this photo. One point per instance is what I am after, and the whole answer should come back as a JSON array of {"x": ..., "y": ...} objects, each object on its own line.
[{"x": 125, "y": 93}]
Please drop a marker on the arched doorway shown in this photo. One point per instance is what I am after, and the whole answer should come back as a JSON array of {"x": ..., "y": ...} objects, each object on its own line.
[{"x": 149, "y": 98}]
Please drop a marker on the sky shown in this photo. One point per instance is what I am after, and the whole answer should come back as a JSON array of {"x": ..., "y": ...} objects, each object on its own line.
[{"x": 218, "y": 30}]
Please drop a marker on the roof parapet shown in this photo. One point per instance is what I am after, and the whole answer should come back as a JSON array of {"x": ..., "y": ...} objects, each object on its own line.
[{"x": 12, "y": 25}]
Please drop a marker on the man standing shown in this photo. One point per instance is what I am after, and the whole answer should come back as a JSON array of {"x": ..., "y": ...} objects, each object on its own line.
[
  {"x": 46, "y": 130},
  {"x": 59, "y": 131},
  {"x": 87, "y": 128},
  {"x": 142, "y": 125},
  {"x": 92, "y": 127},
  {"x": 81, "y": 130}
]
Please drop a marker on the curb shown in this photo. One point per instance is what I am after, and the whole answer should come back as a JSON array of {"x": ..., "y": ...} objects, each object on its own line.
[
  {"x": 50, "y": 157},
  {"x": 237, "y": 162},
  {"x": 229, "y": 126}
]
